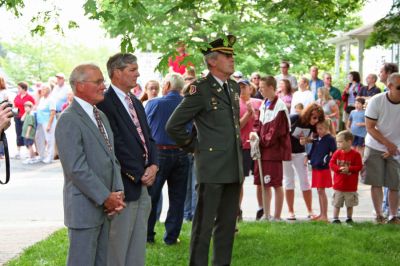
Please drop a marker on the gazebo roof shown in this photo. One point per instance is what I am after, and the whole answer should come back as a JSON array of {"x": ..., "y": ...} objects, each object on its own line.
[{"x": 361, "y": 33}]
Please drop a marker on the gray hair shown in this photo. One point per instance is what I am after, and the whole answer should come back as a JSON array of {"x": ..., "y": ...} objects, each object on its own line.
[
  {"x": 326, "y": 74},
  {"x": 212, "y": 55},
  {"x": 119, "y": 61},
  {"x": 394, "y": 79},
  {"x": 80, "y": 74},
  {"x": 176, "y": 81}
]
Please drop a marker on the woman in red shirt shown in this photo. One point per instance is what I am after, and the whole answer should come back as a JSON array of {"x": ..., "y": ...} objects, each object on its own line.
[{"x": 19, "y": 101}]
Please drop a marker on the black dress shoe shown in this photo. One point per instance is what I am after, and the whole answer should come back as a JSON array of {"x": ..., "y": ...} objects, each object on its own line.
[{"x": 259, "y": 214}]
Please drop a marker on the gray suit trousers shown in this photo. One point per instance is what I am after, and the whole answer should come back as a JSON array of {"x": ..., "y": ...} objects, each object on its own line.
[
  {"x": 128, "y": 233},
  {"x": 88, "y": 246}
]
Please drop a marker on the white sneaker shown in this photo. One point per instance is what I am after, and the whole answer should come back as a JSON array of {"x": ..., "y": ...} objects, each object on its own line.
[
  {"x": 27, "y": 161},
  {"x": 47, "y": 161}
]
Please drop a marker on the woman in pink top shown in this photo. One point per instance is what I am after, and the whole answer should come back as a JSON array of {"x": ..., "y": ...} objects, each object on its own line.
[
  {"x": 285, "y": 92},
  {"x": 249, "y": 108}
]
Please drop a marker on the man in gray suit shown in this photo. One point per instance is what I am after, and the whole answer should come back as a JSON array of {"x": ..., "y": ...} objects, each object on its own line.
[{"x": 93, "y": 189}]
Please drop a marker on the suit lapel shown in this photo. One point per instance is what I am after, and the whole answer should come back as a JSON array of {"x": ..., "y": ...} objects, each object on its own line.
[
  {"x": 90, "y": 124},
  {"x": 124, "y": 114},
  {"x": 216, "y": 89}
]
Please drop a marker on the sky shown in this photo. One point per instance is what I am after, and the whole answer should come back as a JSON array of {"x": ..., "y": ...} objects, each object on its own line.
[{"x": 90, "y": 32}]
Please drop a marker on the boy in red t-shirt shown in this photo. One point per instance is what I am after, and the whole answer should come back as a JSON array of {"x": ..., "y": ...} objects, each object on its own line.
[{"x": 346, "y": 164}]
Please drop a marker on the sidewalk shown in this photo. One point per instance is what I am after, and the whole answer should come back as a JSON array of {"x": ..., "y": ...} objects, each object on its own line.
[{"x": 32, "y": 208}]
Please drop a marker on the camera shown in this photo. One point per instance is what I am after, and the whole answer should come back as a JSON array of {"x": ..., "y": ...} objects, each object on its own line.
[{"x": 14, "y": 111}]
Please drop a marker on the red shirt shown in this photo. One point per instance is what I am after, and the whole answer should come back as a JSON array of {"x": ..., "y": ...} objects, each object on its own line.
[
  {"x": 346, "y": 182},
  {"x": 176, "y": 64},
  {"x": 246, "y": 129},
  {"x": 19, "y": 102}
]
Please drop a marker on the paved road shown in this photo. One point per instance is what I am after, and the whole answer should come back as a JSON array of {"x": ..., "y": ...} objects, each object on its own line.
[{"x": 31, "y": 204}]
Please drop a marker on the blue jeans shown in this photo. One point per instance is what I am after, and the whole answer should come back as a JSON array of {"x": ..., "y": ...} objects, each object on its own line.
[
  {"x": 191, "y": 194},
  {"x": 173, "y": 168}
]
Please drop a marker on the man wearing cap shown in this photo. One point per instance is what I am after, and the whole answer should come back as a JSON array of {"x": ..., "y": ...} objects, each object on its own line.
[
  {"x": 59, "y": 92},
  {"x": 237, "y": 75},
  {"x": 213, "y": 104}
]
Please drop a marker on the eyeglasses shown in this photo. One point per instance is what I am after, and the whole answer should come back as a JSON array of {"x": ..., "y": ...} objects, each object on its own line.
[{"x": 97, "y": 82}]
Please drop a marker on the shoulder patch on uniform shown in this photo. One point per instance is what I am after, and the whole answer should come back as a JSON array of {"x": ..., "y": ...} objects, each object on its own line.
[{"x": 192, "y": 89}]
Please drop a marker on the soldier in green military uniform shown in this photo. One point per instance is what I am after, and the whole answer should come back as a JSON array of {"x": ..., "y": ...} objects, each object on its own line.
[{"x": 213, "y": 104}]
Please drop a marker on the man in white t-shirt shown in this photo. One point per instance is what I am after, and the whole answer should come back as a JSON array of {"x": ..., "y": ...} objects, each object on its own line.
[
  {"x": 382, "y": 152},
  {"x": 285, "y": 75}
]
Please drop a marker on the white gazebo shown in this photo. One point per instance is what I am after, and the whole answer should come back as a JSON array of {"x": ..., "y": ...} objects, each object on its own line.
[
  {"x": 344, "y": 42},
  {"x": 356, "y": 38}
]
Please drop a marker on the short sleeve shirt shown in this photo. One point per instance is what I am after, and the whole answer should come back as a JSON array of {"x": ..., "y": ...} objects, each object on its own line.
[
  {"x": 358, "y": 117},
  {"x": 29, "y": 121},
  {"x": 387, "y": 116}
]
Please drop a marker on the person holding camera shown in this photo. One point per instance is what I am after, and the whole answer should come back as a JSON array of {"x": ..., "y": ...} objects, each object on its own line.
[
  {"x": 19, "y": 101},
  {"x": 5, "y": 116}
]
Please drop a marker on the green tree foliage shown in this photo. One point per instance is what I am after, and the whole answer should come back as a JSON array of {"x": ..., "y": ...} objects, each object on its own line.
[
  {"x": 267, "y": 31},
  {"x": 387, "y": 30},
  {"x": 14, "y": 5},
  {"x": 43, "y": 56}
]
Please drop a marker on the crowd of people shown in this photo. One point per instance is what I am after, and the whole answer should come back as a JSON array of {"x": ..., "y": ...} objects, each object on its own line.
[
  {"x": 35, "y": 116},
  {"x": 118, "y": 147}
]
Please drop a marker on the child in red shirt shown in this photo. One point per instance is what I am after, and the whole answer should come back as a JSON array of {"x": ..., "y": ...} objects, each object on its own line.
[{"x": 346, "y": 164}]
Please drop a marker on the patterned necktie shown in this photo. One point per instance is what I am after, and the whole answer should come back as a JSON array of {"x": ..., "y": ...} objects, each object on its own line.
[
  {"x": 101, "y": 126},
  {"x": 136, "y": 122},
  {"x": 225, "y": 86}
]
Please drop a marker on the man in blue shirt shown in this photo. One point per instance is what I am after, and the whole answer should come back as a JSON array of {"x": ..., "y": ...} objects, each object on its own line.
[
  {"x": 315, "y": 82},
  {"x": 173, "y": 161}
]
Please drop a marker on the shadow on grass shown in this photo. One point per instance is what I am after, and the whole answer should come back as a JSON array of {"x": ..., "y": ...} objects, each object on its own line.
[{"x": 261, "y": 243}]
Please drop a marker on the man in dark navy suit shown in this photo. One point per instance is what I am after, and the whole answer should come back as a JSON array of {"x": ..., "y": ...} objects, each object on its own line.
[{"x": 137, "y": 154}]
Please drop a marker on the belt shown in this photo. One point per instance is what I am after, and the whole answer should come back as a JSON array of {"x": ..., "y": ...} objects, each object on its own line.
[{"x": 168, "y": 147}]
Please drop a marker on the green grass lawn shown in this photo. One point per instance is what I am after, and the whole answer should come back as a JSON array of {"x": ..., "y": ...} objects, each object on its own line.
[{"x": 261, "y": 243}]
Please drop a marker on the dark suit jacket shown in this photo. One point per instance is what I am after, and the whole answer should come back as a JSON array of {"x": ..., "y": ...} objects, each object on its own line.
[{"x": 128, "y": 145}]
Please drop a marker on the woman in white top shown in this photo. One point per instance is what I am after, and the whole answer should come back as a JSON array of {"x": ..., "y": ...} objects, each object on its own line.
[{"x": 303, "y": 95}]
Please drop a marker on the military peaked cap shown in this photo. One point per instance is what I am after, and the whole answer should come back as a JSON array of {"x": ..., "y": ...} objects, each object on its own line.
[{"x": 222, "y": 45}]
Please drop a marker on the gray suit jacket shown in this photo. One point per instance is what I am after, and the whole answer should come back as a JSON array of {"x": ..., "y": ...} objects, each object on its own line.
[{"x": 91, "y": 170}]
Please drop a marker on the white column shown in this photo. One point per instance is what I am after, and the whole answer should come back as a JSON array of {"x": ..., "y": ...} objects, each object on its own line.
[
  {"x": 347, "y": 58},
  {"x": 361, "y": 47},
  {"x": 337, "y": 61}
]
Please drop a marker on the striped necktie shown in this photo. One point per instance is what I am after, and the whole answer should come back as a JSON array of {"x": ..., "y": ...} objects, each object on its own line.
[
  {"x": 136, "y": 122},
  {"x": 101, "y": 126}
]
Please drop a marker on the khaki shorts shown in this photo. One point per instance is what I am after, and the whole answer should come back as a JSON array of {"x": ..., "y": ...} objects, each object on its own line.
[
  {"x": 339, "y": 197},
  {"x": 380, "y": 172}
]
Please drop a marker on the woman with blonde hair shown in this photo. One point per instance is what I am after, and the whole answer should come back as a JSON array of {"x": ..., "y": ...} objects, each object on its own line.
[{"x": 329, "y": 105}]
